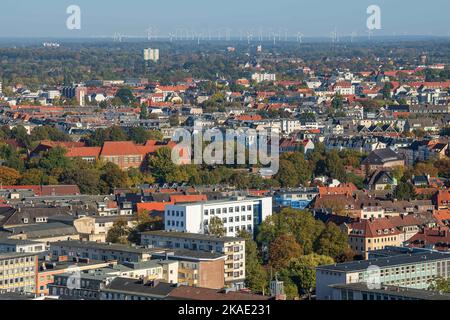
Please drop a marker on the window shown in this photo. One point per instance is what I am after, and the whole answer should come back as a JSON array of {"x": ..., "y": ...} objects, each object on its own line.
[{"x": 237, "y": 209}]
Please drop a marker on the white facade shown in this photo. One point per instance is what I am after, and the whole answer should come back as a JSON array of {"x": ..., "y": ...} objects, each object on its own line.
[
  {"x": 289, "y": 125},
  {"x": 260, "y": 77},
  {"x": 21, "y": 246},
  {"x": 151, "y": 54},
  {"x": 236, "y": 214}
]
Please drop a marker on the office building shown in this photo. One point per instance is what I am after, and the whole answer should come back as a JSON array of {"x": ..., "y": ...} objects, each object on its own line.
[
  {"x": 405, "y": 270},
  {"x": 237, "y": 214}
]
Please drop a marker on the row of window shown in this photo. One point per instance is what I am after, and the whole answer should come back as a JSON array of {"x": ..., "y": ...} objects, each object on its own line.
[
  {"x": 16, "y": 261},
  {"x": 228, "y": 210},
  {"x": 173, "y": 223},
  {"x": 174, "y": 213},
  {"x": 16, "y": 281}
]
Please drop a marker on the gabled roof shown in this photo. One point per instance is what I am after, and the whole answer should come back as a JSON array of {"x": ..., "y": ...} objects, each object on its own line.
[
  {"x": 115, "y": 148},
  {"x": 374, "y": 228},
  {"x": 84, "y": 152}
]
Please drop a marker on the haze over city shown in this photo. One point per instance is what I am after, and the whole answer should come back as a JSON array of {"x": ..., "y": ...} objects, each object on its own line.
[{"x": 46, "y": 18}]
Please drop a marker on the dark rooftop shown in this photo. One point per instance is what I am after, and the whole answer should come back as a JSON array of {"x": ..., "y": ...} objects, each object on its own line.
[{"x": 354, "y": 266}]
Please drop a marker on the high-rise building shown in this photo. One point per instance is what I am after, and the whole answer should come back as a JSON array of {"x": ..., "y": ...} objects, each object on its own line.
[{"x": 151, "y": 55}]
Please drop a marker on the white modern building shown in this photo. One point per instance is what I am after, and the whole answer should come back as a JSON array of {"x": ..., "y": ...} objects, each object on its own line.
[
  {"x": 151, "y": 55},
  {"x": 237, "y": 214},
  {"x": 260, "y": 77}
]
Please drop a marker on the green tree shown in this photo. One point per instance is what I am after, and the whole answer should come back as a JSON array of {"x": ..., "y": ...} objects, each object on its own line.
[
  {"x": 145, "y": 222},
  {"x": 144, "y": 112},
  {"x": 440, "y": 284},
  {"x": 332, "y": 242},
  {"x": 302, "y": 271},
  {"x": 215, "y": 227},
  {"x": 255, "y": 274},
  {"x": 386, "y": 91},
  {"x": 301, "y": 224},
  {"x": 335, "y": 167},
  {"x": 404, "y": 191},
  {"x": 287, "y": 174},
  {"x": 32, "y": 177},
  {"x": 125, "y": 95},
  {"x": 119, "y": 232},
  {"x": 82, "y": 174},
  {"x": 161, "y": 166},
  {"x": 138, "y": 135},
  {"x": 111, "y": 177}
]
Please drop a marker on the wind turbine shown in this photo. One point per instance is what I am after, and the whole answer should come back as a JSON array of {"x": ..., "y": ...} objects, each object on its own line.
[
  {"x": 369, "y": 34},
  {"x": 171, "y": 36},
  {"x": 249, "y": 36}
]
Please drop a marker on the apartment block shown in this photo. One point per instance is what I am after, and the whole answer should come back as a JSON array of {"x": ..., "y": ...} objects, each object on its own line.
[
  {"x": 236, "y": 214},
  {"x": 233, "y": 248},
  {"x": 18, "y": 272}
]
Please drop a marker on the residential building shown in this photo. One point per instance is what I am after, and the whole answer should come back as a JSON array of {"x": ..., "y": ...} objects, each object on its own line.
[
  {"x": 18, "y": 272},
  {"x": 372, "y": 234},
  {"x": 234, "y": 248}
]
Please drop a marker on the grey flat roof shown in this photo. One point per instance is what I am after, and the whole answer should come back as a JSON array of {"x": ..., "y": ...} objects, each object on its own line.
[
  {"x": 190, "y": 254},
  {"x": 19, "y": 242},
  {"x": 133, "y": 286},
  {"x": 193, "y": 236},
  {"x": 12, "y": 255},
  {"x": 395, "y": 291},
  {"x": 219, "y": 201},
  {"x": 100, "y": 246},
  {"x": 385, "y": 262}
]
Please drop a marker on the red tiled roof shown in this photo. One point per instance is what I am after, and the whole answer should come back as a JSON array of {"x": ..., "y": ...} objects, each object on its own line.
[
  {"x": 343, "y": 189},
  {"x": 374, "y": 228},
  {"x": 152, "y": 206},
  {"x": 188, "y": 198},
  {"x": 84, "y": 152},
  {"x": 115, "y": 148},
  {"x": 440, "y": 237},
  {"x": 248, "y": 117}
]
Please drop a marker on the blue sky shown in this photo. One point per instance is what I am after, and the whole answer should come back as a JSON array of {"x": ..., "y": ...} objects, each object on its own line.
[{"x": 47, "y": 18}]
